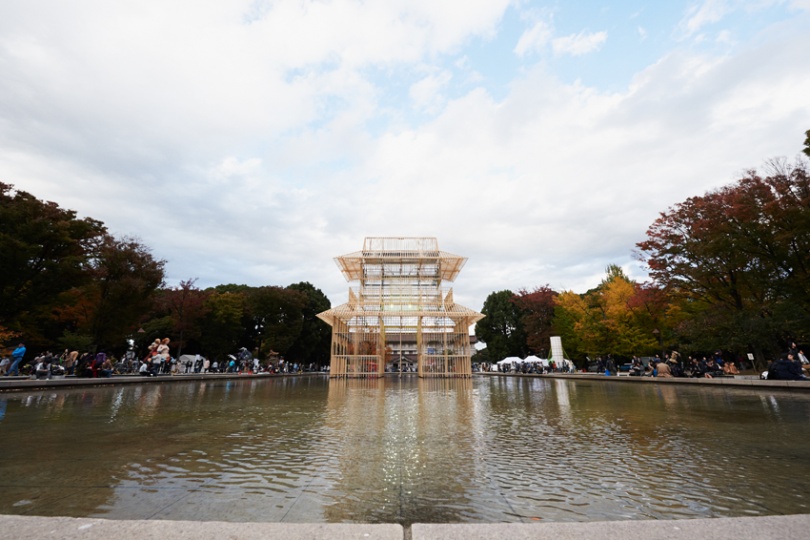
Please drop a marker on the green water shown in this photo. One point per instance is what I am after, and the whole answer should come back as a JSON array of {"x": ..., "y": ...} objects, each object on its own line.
[{"x": 404, "y": 450}]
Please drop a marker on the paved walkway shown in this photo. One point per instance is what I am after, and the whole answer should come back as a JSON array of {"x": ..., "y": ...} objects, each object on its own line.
[{"x": 754, "y": 528}]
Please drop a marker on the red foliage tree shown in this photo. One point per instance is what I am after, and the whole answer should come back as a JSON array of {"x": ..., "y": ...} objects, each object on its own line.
[{"x": 537, "y": 309}]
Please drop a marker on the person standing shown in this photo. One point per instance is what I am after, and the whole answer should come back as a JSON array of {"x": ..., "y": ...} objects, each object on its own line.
[
  {"x": 17, "y": 357},
  {"x": 163, "y": 353}
]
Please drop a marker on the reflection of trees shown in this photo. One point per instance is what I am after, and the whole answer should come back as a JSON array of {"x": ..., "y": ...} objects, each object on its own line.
[{"x": 131, "y": 452}]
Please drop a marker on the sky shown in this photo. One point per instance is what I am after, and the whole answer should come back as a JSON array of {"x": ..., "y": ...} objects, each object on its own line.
[{"x": 251, "y": 142}]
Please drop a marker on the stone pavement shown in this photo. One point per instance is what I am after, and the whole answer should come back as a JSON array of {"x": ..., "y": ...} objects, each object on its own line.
[{"x": 749, "y": 528}]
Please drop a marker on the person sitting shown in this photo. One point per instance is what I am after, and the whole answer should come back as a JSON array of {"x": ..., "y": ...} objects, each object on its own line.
[
  {"x": 146, "y": 368},
  {"x": 43, "y": 367},
  {"x": 675, "y": 364},
  {"x": 662, "y": 370},
  {"x": 730, "y": 369},
  {"x": 106, "y": 368},
  {"x": 712, "y": 370},
  {"x": 785, "y": 369}
]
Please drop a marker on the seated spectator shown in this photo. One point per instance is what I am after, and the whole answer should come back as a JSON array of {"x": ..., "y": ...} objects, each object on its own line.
[
  {"x": 785, "y": 369},
  {"x": 730, "y": 368},
  {"x": 663, "y": 371},
  {"x": 42, "y": 369},
  {"x": 712, "y": 370},
  {"x": 146, "y": 369},
  {"x": 675, "y": 364},
  {"x": 106, "y": 368}
]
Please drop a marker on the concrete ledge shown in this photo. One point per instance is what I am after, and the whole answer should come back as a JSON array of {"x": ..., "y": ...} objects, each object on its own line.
[
  {"x": 18, "y": 384},
  {"x": 39, "y": 528},
  {"x": 728, "y": 382},
  {"x": 754, "y": 528},
  {"x": 747, "y": 528}
]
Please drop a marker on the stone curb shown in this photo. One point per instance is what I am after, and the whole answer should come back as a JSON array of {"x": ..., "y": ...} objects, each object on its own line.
[
  {"x": 16, "y": 384},
  {"x": 39, "y": 528},
  {"x": 725, "y": 382},
  {"x": 753, "y": 528},
  {"x": 746, "y": 528}
]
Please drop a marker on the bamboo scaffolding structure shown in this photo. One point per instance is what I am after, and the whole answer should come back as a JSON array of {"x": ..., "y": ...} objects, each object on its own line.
[{"x": 400, "y": 294}]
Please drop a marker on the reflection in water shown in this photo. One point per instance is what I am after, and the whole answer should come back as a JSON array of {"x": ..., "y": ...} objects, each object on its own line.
[{"x": 403, "y": 449}]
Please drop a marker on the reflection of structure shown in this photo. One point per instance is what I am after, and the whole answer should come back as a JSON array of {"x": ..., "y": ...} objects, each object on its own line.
[{"x": 400, "y": 295}]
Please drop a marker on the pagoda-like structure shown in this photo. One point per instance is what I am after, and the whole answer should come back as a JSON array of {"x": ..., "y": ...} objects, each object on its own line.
[{"x": 400, "y": 298}]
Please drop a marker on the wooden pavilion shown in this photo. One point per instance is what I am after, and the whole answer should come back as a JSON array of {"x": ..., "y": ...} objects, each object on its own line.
[{"x": 400, "y": 297}]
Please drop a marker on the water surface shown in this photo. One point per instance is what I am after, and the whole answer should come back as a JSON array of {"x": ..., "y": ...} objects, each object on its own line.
[{"x": 404, "y": 450}]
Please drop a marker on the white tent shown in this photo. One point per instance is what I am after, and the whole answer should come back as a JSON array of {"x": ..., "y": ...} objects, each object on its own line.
[
  {"x": 186, "y": 358},
  {"x": 532, "y": 359},
  {"x": 511, "y": 362}
]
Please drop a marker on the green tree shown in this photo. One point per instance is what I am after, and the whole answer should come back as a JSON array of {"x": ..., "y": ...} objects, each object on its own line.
[
  {"x": 222, "y": 328},
  {"x": 45, "y": 252},
  {"x": 275, "y": 318},
  {"x": 502, "y": 327},
  {"x": 807, "y": 143},
  {"x": 314, "y": 341},
  {"x": 125, "y": 279}
]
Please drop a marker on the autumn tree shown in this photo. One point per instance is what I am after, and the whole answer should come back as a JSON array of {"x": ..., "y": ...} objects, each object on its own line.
[
  {"x": 537, "y": 309},
  {"x": 502, "y": 327},
  {"x": 616, "y": 317},
  {"x": 185, "y": 304},
  {"x": 742, "y": 253},
  {"x": 572, "y": 323}
]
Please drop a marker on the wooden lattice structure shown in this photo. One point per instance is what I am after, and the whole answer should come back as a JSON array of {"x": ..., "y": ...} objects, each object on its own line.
[{"x": 400, "y": 294}]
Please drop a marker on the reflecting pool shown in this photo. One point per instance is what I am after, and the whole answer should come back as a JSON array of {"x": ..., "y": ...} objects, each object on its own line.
[{"x": 404, "y": 450}]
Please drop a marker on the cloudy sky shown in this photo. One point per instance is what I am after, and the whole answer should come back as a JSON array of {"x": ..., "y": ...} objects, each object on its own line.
[{"x": 253, "y": 141}]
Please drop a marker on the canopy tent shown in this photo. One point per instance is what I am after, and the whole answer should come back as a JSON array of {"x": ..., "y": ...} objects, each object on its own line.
[
  {"x": 186, "y": 358},
  {"x": 532, "y": 359},
  {"x": 511, "y": 360}
]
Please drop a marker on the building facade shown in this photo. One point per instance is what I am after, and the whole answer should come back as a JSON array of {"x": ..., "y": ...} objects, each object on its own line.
[{"x": 400, "y": 298}]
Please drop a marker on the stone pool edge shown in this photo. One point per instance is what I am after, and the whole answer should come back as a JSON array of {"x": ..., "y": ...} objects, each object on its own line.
[
  {"x": 744, "y": 528},
  {"x": 801, "y": 386},
  {"x": 26, "y": 384}
]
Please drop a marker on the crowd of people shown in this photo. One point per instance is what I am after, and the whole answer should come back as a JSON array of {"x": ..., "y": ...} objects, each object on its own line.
[
  {"x": 157, "y": 361},
  {"x": 791, "y": 366},
  {"x": 672, "y": 365}
]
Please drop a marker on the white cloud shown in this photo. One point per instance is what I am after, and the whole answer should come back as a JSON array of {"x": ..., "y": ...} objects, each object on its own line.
[
  {"x": 426, "y": 94},
  {"x": 534, "y": 39},
  {"x": 703, "y": 13},
  {"x": 254, "y": 144},
  {"x": 579, "y": 44}
]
